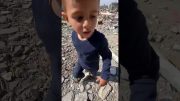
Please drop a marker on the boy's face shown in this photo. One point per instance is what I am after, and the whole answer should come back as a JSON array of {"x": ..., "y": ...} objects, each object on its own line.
[{"x": 82, "y": 16}]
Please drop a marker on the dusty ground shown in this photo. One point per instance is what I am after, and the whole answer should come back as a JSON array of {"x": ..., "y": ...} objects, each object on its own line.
[
  {"x": 24, "y": 64},
  {"x": 163, "y": 20}
]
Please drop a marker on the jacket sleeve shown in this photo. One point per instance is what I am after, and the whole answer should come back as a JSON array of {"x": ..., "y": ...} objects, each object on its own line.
[{"x": 106, "y": 58}]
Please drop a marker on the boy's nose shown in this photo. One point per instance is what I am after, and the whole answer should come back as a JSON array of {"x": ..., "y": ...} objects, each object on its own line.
[{"x": 86, "y": 24}]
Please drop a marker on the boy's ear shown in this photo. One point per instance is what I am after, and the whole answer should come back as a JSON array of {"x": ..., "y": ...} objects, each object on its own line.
[{"x": 64, "y": 16}]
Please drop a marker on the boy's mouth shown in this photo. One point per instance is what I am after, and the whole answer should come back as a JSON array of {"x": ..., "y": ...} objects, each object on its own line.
[{"x": 87, "y": 32}]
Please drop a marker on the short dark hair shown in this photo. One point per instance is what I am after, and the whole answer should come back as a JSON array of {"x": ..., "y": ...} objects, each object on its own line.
[{"x": 63, "y": 8}]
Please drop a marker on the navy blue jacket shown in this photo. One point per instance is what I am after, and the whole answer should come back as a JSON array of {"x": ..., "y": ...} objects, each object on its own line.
[{"x": 89, "y": 51}]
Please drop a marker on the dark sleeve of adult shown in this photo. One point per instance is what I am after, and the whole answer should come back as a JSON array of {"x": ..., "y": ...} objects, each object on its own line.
[
  {"x": 106, "y": 57},
  {"x": 48, "y": 29},
  {"x": 136, "y": 54},
  {"x": 47, "y": 24}
]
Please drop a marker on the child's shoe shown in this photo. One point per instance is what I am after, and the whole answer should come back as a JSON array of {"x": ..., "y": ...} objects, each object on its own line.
[{"x": 78, "y": 79}]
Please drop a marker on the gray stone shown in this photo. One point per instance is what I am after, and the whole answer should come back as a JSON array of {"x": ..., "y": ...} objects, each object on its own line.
[
  {"x": 62, "y": 79},
  {"x": 90, "y": 96},
  {"x": 18, "y": 72},
  {"x": 115, "y": 33},
  {"x": 7, "y": 25},
  {"x": 81, "y": 88},
  {"x": 1, "y": 58},
  {"x": 16, "y": 37},
  {"x": 176, "y": 47},
  {"x": 27, "y": 50},
  {"x": 68, "y": 97},
  {"x": 5, "y": 12},
  {"x": 154, "y": 16},
  {"x": 104, "y": 91},
  {"x": 159, "y": 38},
  {"x": 25, "y": 85},
  {"x": 81, "y": 97},
  {"x": 18, "y": 50},
  {"x": 13, "y": 84},
  {"x": 8, "y": 30},
  {"x": 3, "y": 19},
  {"x": 90, "y": 91},
  {"x": 3, "y": 66},
  {"x": 175, "y": 29},
  {"x": 66, "y": 74},
  {"x": 151, "y": 38},
  {"x": 88, "y": 87},
  {"x": 149, "y": 21},
  {"x": 63, "y": 58},
  {"x": 10, "y": 17},
  {"x": 29, "y": 20},
  {"x": 66, "y": 80},
  {"x": 35, "y": 94},
  {"x": 39, "y": 43},
  {"x": 7, "y": 76},
  {"x": 2, "y": 45},
  {"x": 7, "y": 97},
  {"x": 23, "y": 57}
]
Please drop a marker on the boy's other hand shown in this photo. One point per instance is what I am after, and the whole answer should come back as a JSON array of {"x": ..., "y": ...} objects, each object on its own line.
[{"x": 101, "y": 81}]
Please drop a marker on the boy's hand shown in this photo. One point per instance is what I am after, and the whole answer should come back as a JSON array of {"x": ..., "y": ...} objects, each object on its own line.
[{"x": 101, "y": 81}]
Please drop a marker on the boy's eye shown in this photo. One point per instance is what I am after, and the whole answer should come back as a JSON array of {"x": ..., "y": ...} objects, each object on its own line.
[
  {"x": 79, "y": 18},
  {"x": 93, "y": 17}
]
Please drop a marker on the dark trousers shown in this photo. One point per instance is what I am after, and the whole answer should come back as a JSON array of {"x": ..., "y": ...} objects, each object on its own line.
[
  {"x": 48, "y": 29},
  {"x": 78, "y": 71},
  {"x": 136, "y": 54}
]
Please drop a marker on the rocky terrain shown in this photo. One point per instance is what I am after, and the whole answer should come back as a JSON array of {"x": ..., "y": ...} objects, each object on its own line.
[
  {"x": 163, "y": 21},
  {"x": 24, "y": 64}
]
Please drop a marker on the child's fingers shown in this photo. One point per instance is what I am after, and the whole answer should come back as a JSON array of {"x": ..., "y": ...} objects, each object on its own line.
[
  {"x": 97, "y": 77},
  {"x": 97, "y": 80}
]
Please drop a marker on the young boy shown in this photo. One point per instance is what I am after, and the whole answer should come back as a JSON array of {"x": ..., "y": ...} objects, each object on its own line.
[{"x": 89, "y": 43}]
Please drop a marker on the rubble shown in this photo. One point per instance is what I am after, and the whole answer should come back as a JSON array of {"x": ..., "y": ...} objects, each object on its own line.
[
  {"x": 81, "y": 97},
  {"x": 68, "y": 97},
  {"x": 22, "y": 61},
  {"x": 9, "y": 30},
  {"x": 3, "y": 19},
  {"x": 2, "y": 45},
  {"x": 7, "y": 76},
  {"x": 104, "y": 91},
  {"x": 176, "y": 47},
  {"x": 4, "y": 12},
  {"x": 175, "y": 29}
]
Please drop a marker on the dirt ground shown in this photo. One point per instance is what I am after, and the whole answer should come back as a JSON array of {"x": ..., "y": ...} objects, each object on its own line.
[{"x": 163, "y": 20}]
